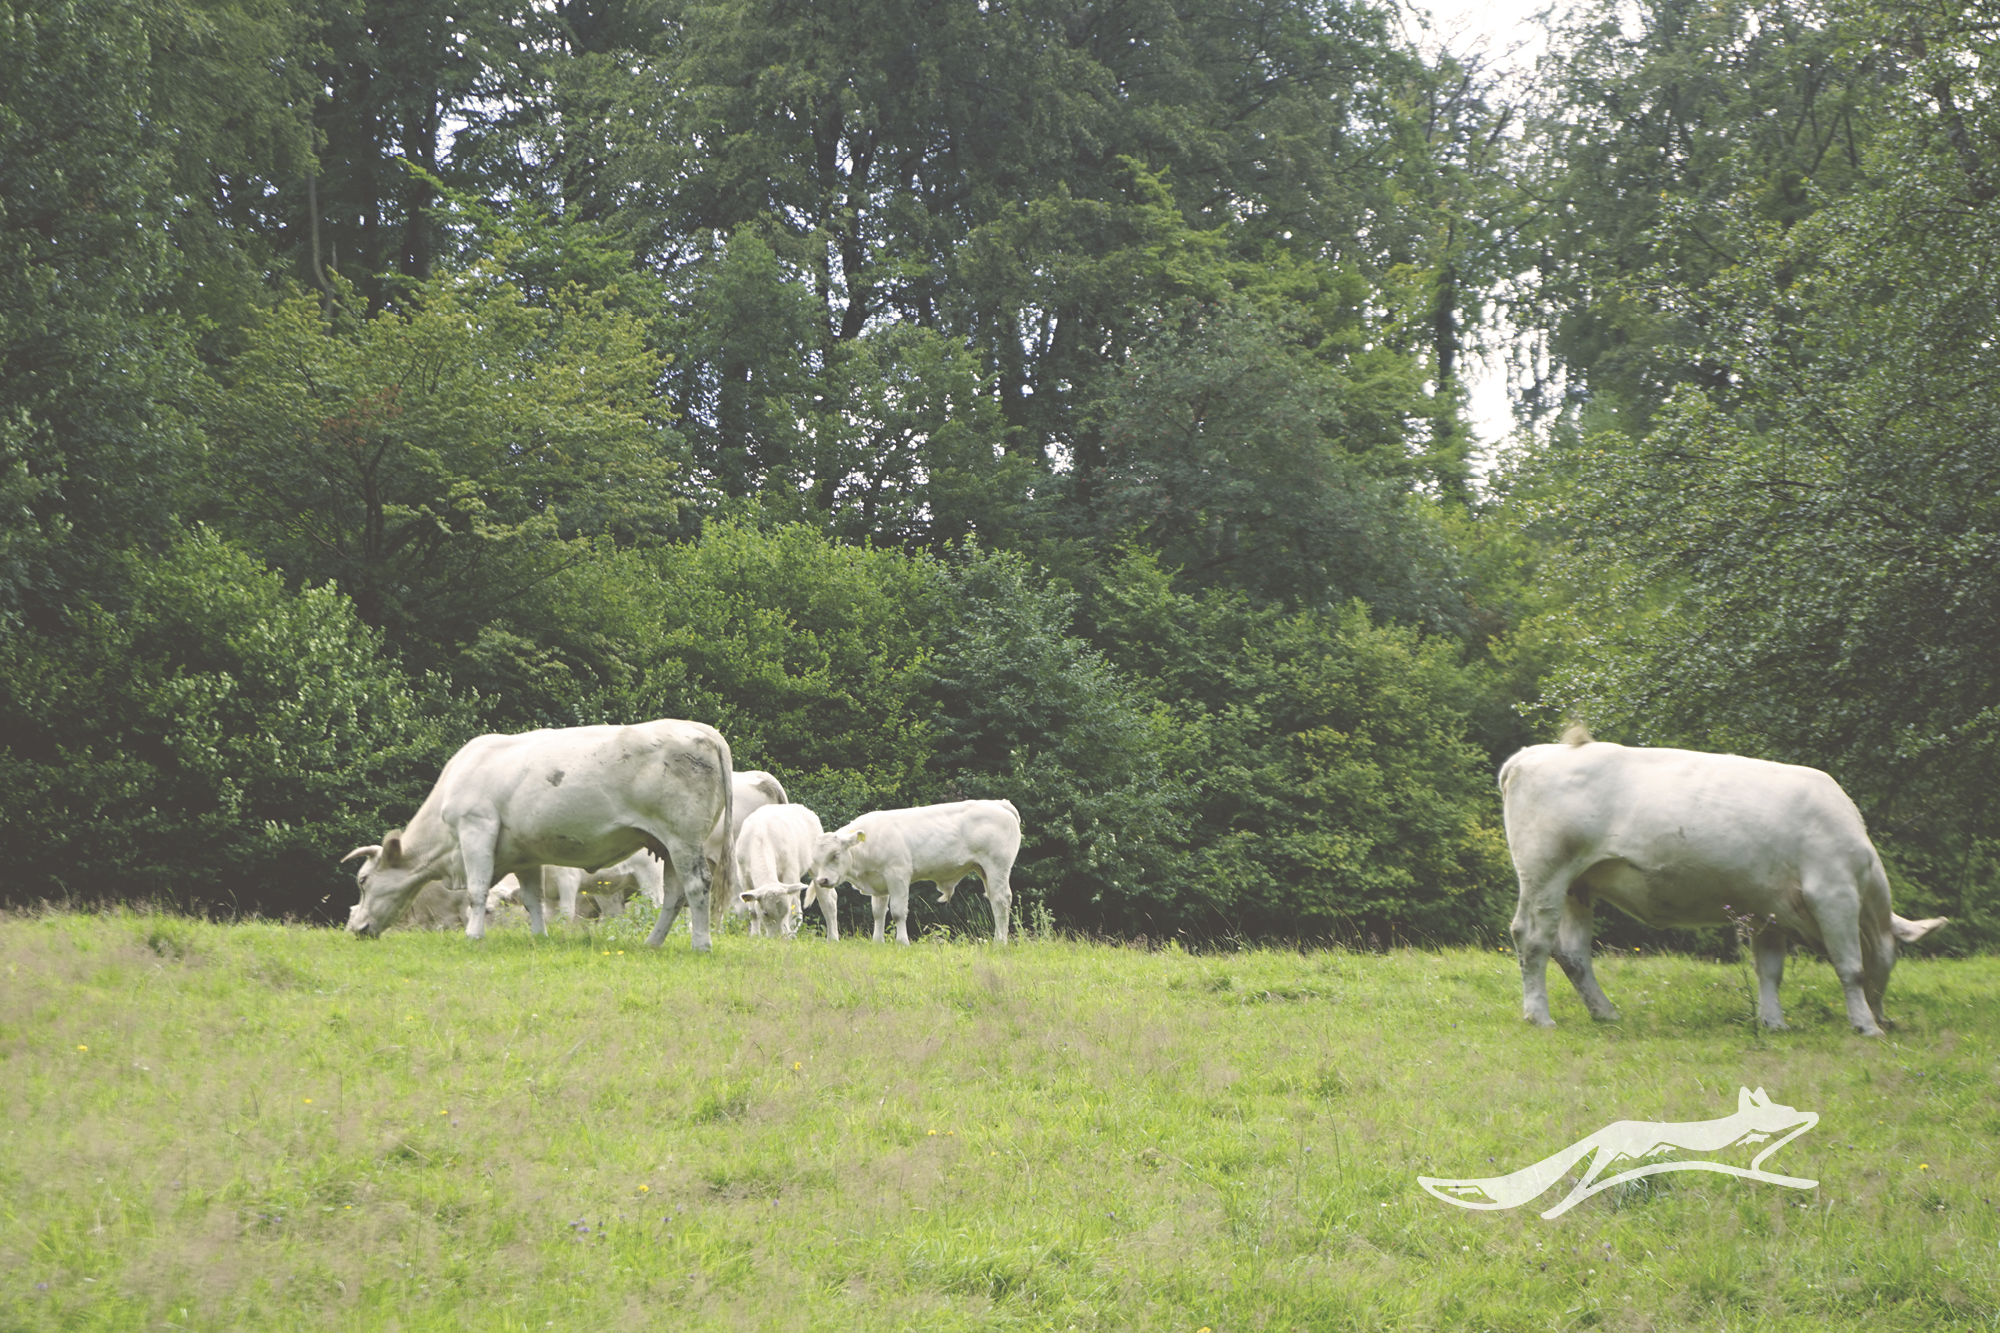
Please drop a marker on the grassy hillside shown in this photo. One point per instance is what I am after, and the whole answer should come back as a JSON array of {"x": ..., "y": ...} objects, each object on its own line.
[{"x": 255, "y": 1126}]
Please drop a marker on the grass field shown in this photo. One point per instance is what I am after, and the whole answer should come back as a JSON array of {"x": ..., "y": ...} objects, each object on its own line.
[{"x": 265, "y": 1127}]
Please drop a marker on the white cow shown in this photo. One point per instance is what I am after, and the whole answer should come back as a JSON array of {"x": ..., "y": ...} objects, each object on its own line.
[
  {"x": 439, "y": 906},
  {"x": 774, "y": 855},
  {"x": 577, "y": 894},
  {"x": 577, "y": 796},
  {"x": 885, "y": 850},
  {"x": 1679, "y": 838},
  {"x": 750, "y": 792}
]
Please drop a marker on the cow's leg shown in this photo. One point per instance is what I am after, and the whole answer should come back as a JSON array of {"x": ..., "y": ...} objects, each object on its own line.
[
  {"x": 829, "y": 908},
  {"x": 673, "y": 892},
  {"x": 670, "y": 907},
  {"x": 880, "y": 903},
  {"x": 1769, "y": 948},
  {"x": 1840, "y": 930},
  {"x": 696, "y": 891},
  {"x": 1534, "y": 931},
  {"x": 899, "y": 908},
  {"x": 559, "y": 887},
  {"x": 475, "y": 851},
  {"x": 1000, "y": 895},
  {"x": 1844, "y": 952},
  {"x": 1573, "y": 940},
  {"x": 1875, "y": 979},
  {"x": 531, "y": 898}
]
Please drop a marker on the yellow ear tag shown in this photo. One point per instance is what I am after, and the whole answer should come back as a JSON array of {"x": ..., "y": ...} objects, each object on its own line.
[{"x": 861, "y": 837}]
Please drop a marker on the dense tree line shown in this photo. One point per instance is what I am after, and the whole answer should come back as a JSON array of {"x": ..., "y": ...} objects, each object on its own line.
[{"x": 987, "y": 398}]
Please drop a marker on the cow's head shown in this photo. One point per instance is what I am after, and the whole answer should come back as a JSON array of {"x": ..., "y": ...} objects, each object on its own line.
[
  {"x": 387, "y": 883},
  {"x": 777, "y": 908},
  {"x": 833, "y": 858}
]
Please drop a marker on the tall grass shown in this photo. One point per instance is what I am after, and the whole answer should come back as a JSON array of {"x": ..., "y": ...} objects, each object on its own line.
[{"x": 256, "y": 1126}]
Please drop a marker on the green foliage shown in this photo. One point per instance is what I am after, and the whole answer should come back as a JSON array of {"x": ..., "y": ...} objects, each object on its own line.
[
  {"x": 1242, "y": 458},
  {"x": 392, "y": 79},
  {"x": 217, "y": 745},
  {"x": 807, "y": 654},
  {"x": 996, "y": 398},
  {"x": 1664, "y": 137},
  {"x": 880, "y": 229},
  {"x": 90, "y": 441},
  {"x": 1028, "y": 712},
  {"x": 1332, "y": 790},
  {"x": 433, "y": 460}
]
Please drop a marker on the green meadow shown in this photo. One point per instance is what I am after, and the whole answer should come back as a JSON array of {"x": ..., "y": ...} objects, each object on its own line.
[{"x": 260, "y": 1126}]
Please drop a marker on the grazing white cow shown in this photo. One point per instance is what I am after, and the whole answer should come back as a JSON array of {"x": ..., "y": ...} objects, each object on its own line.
[
  {"x": 586, "y": 895},
  {"x": 885, "y": 850},
  {"x": 441, "y": 904},
  {"x": 1679, "y": 838},
  {"x": 576, "y": 796},
  {"x": 774, "y": 855}
]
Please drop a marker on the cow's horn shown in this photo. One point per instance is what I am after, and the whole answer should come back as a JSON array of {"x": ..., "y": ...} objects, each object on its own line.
[{"x": 373, "y": 849}]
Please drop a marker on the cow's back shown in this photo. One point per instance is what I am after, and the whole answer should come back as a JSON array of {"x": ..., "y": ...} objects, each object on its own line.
[
  {"x": 776, "y": 845},
  {"x": 946, "y": 837},
  {"x": 651, "y": 763},
  {"x": 1603, "y": 792}
]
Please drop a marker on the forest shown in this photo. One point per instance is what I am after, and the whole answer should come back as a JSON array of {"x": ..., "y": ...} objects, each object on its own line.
[{"x": 1058, "y": 400}]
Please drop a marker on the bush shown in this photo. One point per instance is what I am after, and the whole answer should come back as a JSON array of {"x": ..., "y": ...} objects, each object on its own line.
[
  {"x": 217, "y": 746},
  {"x": 1331, "y": 787}
]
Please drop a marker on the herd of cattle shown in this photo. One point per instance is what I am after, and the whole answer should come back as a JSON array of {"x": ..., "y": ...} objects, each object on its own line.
[
  {"x": 658, "y": 809},
  {"x": 595, "y": 816}
]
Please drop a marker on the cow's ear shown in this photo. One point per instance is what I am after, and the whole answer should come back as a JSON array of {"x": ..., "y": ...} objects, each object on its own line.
[
  {"x": 748, "y": 897},
  {"x": 861, "y": 836},
  {"x": 392, "y": 849}
]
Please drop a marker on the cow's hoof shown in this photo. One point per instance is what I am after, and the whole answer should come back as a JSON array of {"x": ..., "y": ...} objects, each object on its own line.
[{"x": 1539, "y": 1020}]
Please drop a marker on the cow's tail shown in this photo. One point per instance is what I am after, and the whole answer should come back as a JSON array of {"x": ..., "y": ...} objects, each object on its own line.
[
  {"x": 1905, "y": 930},
  {"x": 722, "y": 876}
]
